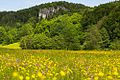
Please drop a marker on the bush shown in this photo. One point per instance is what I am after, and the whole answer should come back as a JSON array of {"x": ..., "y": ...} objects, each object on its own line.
[
  {"x": 26, "y": 42},
  {"x": 37, "y": 41}
]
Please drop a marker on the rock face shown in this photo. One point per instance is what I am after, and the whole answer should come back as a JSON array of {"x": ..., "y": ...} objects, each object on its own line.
[{"x": 46, "y": 12}]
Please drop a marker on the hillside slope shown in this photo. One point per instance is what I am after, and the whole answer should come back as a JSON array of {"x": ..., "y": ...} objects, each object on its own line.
[
  {"x": 14, "y": 19},
  {"x": 106, "y": 19}
]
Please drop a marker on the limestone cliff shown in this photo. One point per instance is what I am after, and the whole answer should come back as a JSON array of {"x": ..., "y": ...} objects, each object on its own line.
[{"x": 46, "y": 12}]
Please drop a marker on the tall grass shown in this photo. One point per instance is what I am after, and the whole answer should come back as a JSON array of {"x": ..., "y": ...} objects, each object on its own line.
[{"x": 59, "y": 65}]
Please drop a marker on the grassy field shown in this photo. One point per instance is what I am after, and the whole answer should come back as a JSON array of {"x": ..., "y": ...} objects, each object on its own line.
[
  {"x": 59, "y": 65},
  {"x": 11, "y": 46}
]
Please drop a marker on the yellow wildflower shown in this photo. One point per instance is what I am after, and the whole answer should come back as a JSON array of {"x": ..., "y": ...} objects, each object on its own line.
[
  {"x": 39, "y": 74},
  {"x": 115, "y": 73},
  {"x": 62, "y": 73},
  {"x": 88, "y": 79},
  {"x": 114, "y": 68},
  {"x": 100, "y": 74},
  {"x": 33, "y": 76},
  {"x": 54, "y": 78},
  {"x": 21, "y": 77},
  {"x": 96, "y": 78},
  {"x": 110, "y": 77},
  {"x": 27, "y": 78},
  {"x": 15, "y": 74},
  {"x": 43, "y": 77}
]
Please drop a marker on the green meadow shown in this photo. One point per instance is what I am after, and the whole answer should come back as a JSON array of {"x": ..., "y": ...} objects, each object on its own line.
[
  {"x": 11, "y": 46},
  {"x": 17, "y": 64}
]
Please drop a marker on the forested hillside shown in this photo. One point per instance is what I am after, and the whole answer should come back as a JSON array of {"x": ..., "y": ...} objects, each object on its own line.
[
  {"x": 106, "y": 19},
  {"x": 15, "y": 19},
  {"x": 76, "y": 27}
]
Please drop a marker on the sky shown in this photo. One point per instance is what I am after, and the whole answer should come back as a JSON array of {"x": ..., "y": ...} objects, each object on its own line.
[{"x": 14, "y": 5}]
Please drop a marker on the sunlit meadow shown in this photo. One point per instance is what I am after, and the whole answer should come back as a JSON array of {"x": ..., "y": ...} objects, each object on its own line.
[{"x": 59, "y": 65}]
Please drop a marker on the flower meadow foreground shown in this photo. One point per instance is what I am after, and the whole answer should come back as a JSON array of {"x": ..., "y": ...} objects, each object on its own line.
[{"x": 59, "y": 65}]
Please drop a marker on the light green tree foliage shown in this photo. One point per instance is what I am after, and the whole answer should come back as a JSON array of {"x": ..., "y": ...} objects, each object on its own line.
[
  {"x": 69, "y": 27},
  {"x": 8, "y": 35},
  {"x": 64, "y": 31},
  {"x": 41, "y": 41},
  {"x": 2, "y": 34},
  {"x": 26, "y": 29},
  {"x": 26, "y": 42},
  {"x": 43, "y": 27},
  {"x": 37, "y": 41},
  {"x": 58, "y": 42},
  {"x": 105, "y": 38},
  {"x": 93, "y": 38},
  {"x": 11, "y": 36}
]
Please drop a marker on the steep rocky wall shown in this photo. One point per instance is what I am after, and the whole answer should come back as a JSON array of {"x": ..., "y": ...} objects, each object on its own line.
[{"x": 46, "y": 12}]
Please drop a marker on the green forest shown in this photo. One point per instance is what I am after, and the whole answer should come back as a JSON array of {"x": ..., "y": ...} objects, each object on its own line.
[{"x": 78, "y": 27}]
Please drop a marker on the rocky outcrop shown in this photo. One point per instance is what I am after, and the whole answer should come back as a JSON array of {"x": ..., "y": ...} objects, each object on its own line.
[{"x": 46, "y": 12}]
